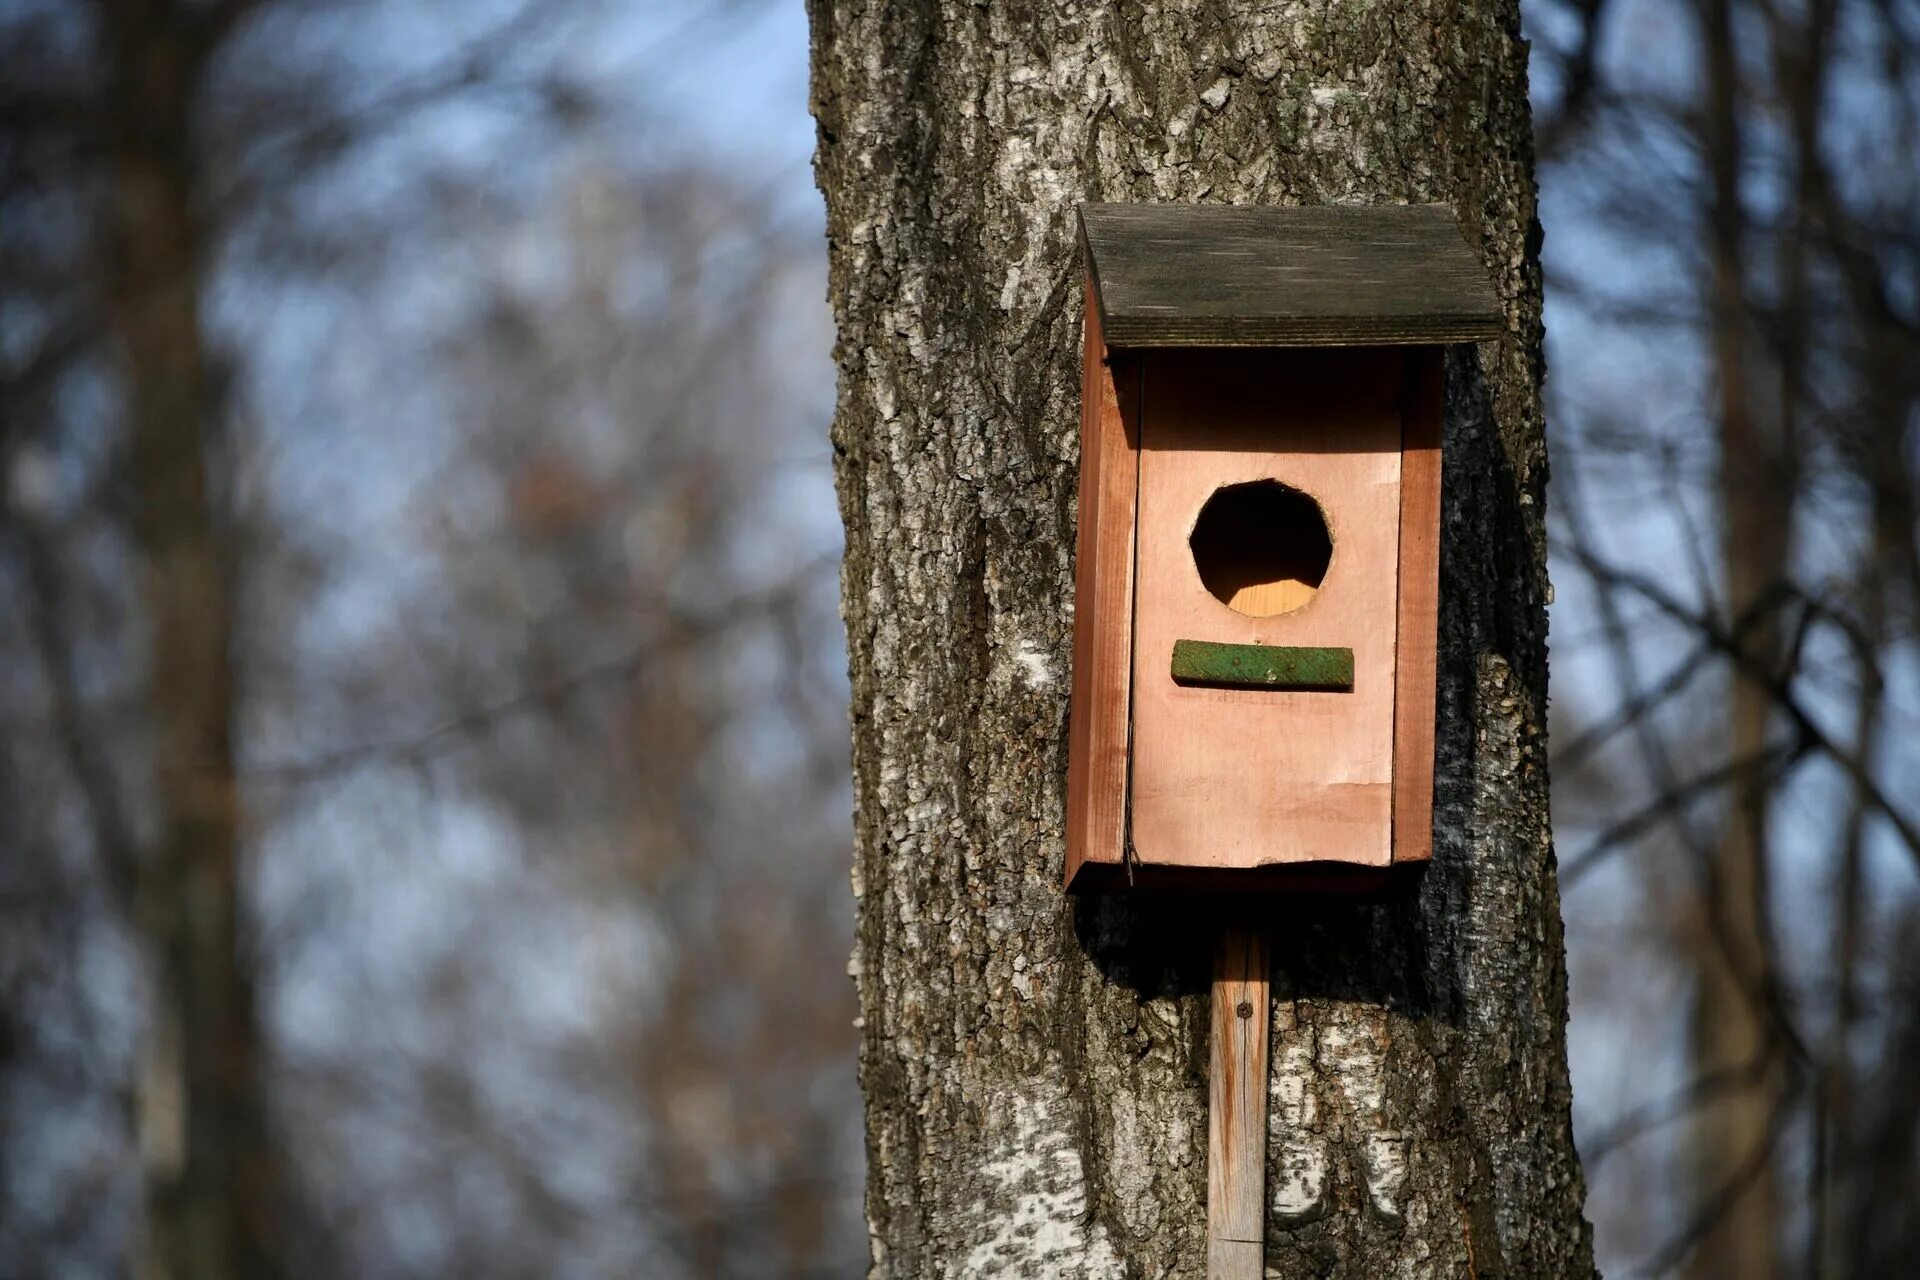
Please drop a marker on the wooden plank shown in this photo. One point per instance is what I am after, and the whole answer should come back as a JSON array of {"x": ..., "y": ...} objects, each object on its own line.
[
  {"x": 1264, "y": 599},
  {"x": 1415, "y": 675},
  {"x": 1262, "y": 666},
  {"x": 1237, "y": 1106},
  {"x": 1296, "y": 879},
  {"x": 1097, "y": 726},
  {"x": 1220, "y": 778},
  {"x": 1220, "y": 276}
]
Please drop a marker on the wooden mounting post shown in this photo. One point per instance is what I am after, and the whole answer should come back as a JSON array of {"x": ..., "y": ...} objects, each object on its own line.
[{"x": 1237, "y": 1107}]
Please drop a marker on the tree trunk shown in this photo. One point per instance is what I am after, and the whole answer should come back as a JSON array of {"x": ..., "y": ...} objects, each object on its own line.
[
  {"x": 1730, "y": 1141},
  {"x": 1034, "y": 1067},
  {"x": 210, "y": 1171}
]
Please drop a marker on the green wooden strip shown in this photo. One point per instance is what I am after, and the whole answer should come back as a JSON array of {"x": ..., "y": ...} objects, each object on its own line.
[{"x": 1262, "y": 666}]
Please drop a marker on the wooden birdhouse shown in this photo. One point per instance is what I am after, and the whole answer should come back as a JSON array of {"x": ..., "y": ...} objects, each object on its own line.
[{"x": 1257, "y": 595}]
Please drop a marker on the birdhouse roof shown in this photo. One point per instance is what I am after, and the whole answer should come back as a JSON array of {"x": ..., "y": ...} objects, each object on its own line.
[{"x": 1170, "y": 275}]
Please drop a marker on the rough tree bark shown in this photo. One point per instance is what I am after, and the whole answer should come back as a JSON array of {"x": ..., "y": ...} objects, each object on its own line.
[{"x": 1034, "y": 1067}]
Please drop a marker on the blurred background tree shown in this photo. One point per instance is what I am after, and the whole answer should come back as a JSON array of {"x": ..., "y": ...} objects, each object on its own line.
[
  {"x": 1732, "y": 204},
  {"x": 422, "y": 804},
  {"x": 424, "y": 767}
]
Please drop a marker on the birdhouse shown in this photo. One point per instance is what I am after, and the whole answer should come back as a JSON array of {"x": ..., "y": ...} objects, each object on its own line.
[{"x": 1257, "y": 592}]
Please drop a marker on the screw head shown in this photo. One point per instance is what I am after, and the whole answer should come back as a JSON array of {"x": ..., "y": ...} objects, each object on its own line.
[{"x": 1244, "y": 1009}]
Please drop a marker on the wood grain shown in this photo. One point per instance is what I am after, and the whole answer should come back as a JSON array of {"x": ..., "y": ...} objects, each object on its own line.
[
  {"x": 1246, "y": 778},
  {"x": 1422, "y": 421},
  {"x": 1097, "y": 726},
  {"x": 1219, "y": 276},
  {"x": 1237, "y": 1106},
  {"x": 1265, "y": 599}
]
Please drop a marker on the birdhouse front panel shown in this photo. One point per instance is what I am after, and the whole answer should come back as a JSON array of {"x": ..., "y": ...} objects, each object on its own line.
[
  {"x": 1257, "y": 590},
  {"x": 1265, "y": 607}
]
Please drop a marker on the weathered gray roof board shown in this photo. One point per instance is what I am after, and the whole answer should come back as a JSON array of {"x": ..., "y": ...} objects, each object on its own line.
[{"x": 1172, "y": 275}]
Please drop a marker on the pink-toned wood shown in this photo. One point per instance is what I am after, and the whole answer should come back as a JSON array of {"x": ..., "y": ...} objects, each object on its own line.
[
  {"x": 1247, "y": 778},
  {"x": 1413, "y": 705},
  {"x": 1237, "y": 1107},
  {"x": 1103, "y": 608}
]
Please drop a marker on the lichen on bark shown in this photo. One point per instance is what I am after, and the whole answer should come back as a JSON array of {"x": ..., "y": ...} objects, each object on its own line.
[{"x": 1035, "y": 1067}]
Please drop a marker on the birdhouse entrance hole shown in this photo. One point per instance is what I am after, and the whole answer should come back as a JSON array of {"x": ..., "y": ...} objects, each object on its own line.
[{"x": 1262, "y": 548}]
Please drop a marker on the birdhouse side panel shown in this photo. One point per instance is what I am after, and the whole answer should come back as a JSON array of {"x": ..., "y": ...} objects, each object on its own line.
[
  {"x": 1423, "y": 420},
  {"x": 1097, "y": 724}
]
